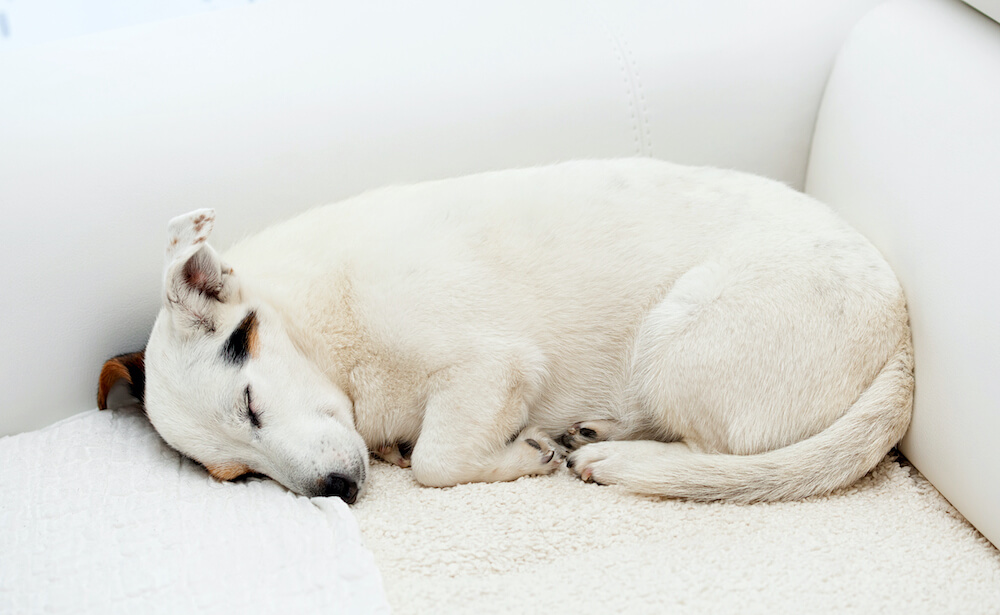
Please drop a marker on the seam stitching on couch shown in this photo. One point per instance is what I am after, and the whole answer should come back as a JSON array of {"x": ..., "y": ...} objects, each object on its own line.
[
  {"x": 630, "y": 93},
  {"x": 640, "y": 95}
]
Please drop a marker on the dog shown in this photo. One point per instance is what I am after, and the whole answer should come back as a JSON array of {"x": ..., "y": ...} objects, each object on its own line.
[{"x": 678, "y": 331}]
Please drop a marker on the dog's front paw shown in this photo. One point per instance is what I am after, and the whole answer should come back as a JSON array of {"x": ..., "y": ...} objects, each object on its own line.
[{"x": 549, "y": 454}]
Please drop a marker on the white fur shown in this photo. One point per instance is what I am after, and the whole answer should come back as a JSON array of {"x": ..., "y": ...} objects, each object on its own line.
[{"x": 485, "y": 317}]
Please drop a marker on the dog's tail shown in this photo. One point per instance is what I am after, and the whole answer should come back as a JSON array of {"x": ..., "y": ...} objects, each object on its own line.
[{"x": 835, "y": 457}]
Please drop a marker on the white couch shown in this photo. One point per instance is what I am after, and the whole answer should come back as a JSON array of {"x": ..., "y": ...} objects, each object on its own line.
[{"x": 267, "y": 110}]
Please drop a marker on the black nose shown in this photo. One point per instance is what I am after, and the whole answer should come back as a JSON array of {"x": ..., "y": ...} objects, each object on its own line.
[{"x": 339, "y": 485}]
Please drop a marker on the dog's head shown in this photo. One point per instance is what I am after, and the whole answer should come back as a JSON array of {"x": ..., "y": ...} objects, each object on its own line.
[{"x": 222, "y": 381}]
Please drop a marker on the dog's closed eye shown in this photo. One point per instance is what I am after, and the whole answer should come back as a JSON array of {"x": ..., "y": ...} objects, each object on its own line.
[{"x": 251, "y": 413}]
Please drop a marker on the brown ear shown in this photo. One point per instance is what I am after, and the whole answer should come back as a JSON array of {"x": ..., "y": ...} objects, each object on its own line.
[{"x": 126, "y": 370}]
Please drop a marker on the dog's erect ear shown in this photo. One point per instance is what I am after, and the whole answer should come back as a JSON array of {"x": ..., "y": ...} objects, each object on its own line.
[
  {"x": 122, "y": 381},
  {"x": 195, "y": 280}
]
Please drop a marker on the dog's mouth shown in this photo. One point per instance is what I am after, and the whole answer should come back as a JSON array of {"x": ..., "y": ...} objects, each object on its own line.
[
  {"x": 343, "y": 480},
  {"x": 250, "y": 476},
  {"x": 331, "y": 485}
]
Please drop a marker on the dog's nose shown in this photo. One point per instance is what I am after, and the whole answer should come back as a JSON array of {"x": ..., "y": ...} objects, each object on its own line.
[{"x": 339, "y": 485}]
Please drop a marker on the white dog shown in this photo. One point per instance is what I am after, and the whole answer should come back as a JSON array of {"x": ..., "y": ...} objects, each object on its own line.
[{"x": 690, "y": 332}]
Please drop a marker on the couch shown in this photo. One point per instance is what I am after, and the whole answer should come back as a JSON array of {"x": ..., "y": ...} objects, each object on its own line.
[{"x": 887, "y": 111}]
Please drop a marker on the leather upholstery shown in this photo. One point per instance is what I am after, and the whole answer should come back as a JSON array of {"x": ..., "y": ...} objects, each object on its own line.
[{"x": 906, "y": 148}]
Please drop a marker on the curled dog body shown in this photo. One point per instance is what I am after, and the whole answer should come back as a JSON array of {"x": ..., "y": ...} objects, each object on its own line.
[{"x": 686, "y": 332}]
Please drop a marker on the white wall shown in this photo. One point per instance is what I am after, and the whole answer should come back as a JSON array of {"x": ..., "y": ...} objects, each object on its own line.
[{"x": 24, "y": 23}]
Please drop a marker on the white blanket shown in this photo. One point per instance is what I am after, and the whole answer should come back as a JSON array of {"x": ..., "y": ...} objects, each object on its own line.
[{"x": 98, "y": 515}]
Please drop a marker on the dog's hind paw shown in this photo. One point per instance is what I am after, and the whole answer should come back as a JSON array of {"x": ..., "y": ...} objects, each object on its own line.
[
  {"x": 624, "y": 462},
  {"x": 596, "y": 463},
  {"x": 586, "y": 432}
]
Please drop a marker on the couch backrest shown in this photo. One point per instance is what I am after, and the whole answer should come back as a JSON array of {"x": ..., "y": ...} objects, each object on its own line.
[
  {"x": 907, "y": 147},
  {"x": 266, "y": 110}
]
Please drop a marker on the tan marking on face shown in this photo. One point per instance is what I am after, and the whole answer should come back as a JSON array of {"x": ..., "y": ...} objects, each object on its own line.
[
  {"x": 253, "y": 342},
  {"x": 228, "y": 471}
]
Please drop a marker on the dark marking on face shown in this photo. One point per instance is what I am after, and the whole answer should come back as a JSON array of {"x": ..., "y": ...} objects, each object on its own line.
[{"x": 242, "y": 343}]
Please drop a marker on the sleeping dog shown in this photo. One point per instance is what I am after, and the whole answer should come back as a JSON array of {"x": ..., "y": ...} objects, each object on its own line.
[{"x": 683, "y": 332}]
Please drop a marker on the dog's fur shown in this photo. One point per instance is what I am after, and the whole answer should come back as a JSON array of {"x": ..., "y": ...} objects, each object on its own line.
[{"x": 690, "y": 332}]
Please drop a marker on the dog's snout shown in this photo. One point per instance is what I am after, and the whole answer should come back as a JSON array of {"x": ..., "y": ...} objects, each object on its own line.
[{"x": 344, "y": 487}]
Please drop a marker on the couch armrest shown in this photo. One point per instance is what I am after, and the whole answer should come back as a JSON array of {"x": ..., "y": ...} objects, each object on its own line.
[{"x": 906, "y": 149}]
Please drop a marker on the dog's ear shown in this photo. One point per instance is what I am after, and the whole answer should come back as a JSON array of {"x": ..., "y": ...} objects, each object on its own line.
[
  {"x": 195, "y": 280},
  {"x": 122, "y": 381}
]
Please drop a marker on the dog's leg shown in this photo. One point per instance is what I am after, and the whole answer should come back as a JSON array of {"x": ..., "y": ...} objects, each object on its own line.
[
  {"x": 474, "y": 430},
  {"x": 636, "y": 461},
  {"x": 754, "y": 397}
]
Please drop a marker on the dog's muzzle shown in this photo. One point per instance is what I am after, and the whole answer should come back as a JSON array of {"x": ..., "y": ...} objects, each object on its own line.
[{"x": 343, "y": 487}]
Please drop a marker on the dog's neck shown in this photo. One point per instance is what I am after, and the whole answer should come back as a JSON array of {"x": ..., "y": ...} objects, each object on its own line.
[
  {"x": 323, "y": 323},
  {"x": 330, "y": 336}
]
